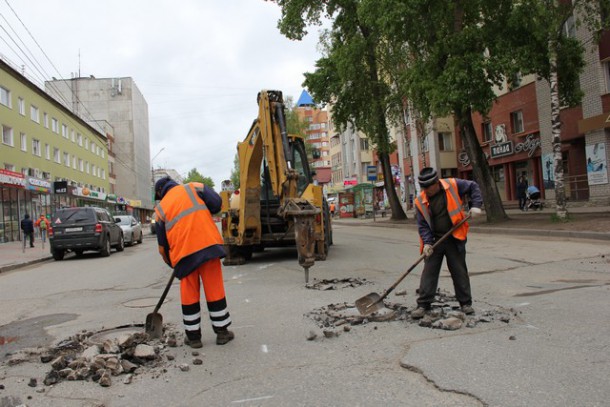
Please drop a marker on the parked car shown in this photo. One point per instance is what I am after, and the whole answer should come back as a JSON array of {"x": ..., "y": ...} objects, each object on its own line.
[
  {"x": 81, "y": 229},
  {"x": 132, "y": 228}
]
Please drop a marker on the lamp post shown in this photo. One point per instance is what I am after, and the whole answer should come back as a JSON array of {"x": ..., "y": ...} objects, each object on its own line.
[{"x": 152, "y": 172}]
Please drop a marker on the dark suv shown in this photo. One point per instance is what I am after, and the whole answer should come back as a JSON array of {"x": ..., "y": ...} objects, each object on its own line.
[{"x": 80, "y": 229}]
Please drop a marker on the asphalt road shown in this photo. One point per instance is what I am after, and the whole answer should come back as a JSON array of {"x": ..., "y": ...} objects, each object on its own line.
[{"x": 558, "y": 355}]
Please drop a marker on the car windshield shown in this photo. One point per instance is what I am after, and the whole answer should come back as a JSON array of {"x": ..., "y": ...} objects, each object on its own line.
[{"x": 123, "y": 220}]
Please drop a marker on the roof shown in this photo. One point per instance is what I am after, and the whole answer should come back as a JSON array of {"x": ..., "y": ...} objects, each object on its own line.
[
  {"x": 323, "y": 175},
  {"x": 305, "y": 99}
]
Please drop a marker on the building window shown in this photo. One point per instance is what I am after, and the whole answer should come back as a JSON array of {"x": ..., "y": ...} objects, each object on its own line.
[
  {"x": 47, "y": 151},
  {"x": 55, "y": 125},
  {"x": 79, "y": 139},
  {"x": 56, "y": 155},
  {"x": 103, "y": 154},
  {"x": 86, "y": 143},
  {"x": 516, "y": 119},
  {"x": 45, "y": 118},
  {"x": 5, "y": 97},
  {"x": 21, "y": 104},
  {"x": 36, "y": 147},
  {"x": 34, "y": 115},
  {"x": 445, "y": 143},
  {"x": 487, "y": 131},
  {"x": 93, "y": 148},
  {"x": 9, "y": 167},
  {"x": 67, "y": 159},
  {"x": 64, "y": 131},
  {"x": 24, "y": 142},
  {"x": 81, "y": 166},
  {"x": 7, "y": 135},
  {"x": 364, "y": 144},
  {"x": 74, "y": 162},
  {"x": 569, "y": 27}
]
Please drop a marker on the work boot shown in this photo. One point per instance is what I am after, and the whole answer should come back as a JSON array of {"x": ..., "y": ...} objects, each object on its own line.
[
  {"x": 193, "y": 343},
  {"x": 223, "y": 335},
  {"x": 418, "y": 312},
  {"x": 467, "y": 309}
]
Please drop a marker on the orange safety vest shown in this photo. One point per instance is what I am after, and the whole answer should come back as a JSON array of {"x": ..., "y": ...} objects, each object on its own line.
[
  {"x": 188, "y": 222},
  {"x": 454, "y": 207}
]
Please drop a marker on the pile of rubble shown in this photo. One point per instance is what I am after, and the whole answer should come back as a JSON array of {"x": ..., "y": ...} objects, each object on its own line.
[
  {"x": 82, "y": 357},
  {"x": 335, "y": 283},
  {"x": 444, "y": 314}
]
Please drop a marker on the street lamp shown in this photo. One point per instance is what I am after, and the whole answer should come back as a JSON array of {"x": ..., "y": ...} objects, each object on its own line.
[{"x": 152, "y": 172}]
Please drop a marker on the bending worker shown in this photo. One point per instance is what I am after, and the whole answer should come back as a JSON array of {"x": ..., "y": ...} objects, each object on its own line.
[
  {"x": 190, "y": 243},
  {"x": 439, "y": 207}
]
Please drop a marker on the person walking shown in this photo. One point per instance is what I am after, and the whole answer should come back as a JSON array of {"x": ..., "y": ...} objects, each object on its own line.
[
  {"x": 27, "y": 226},
  {"x": 521, "y": 189},
  {"x": 41, "y": 224},
  {"x": 438, "y": 208},
  {"x": 191, "y": 244}
]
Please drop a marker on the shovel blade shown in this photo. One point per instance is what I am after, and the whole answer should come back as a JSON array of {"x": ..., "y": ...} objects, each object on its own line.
[
  {"x": 369, "y": 304},
  {"x": 154, "y": 325}
]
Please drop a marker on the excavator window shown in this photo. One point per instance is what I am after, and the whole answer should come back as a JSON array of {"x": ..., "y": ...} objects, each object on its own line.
[{"x": 300, "y": 164}]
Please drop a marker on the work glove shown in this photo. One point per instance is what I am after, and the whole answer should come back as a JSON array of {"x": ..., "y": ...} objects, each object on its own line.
[
  {"x": 427, "y": 252},
  {"x": 474, "y": 212}
]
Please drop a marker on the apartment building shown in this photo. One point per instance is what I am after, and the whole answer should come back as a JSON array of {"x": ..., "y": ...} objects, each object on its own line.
[
  {"x": 49, "y": 157},
  {"x": 118, "y": 102}
]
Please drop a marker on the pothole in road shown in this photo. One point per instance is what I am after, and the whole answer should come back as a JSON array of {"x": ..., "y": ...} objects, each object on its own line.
[
  {"x": 336, "y": 283},
  {"x": 444, "y": 314}
]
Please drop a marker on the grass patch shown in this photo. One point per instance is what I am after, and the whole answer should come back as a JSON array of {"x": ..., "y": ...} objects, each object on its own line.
[{"x": 557, "y": 219}]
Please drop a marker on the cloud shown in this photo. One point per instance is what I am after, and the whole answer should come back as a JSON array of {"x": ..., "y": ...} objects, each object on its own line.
[{"x": 199, "y": 65}]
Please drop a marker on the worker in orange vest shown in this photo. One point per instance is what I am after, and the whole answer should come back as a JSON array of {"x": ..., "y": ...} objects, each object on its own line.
[
  {"x": 190, "y": 243},
  {"x": 438, "y": 208}
]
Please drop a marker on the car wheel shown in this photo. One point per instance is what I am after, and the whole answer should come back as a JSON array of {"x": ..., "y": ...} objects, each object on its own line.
[
  {"x": 105, "y": 252},
  {"x": 121, "y": 245},
  {"x": 58, "y": 254},
  {"x": 78, "y": 252}
]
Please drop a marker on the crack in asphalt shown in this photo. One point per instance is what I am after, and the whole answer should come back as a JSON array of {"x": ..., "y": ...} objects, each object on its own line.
[{"x": 554, "y": 290}]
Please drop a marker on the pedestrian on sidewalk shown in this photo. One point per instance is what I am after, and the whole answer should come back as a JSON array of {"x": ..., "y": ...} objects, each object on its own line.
[
  {"x": 190, "y": 243},
  {"x": 27, "y": 226},
  {"x": 521, "y": 190},
  {"x": 438, "y": 208},
  {"x": 41, "y": 224}
]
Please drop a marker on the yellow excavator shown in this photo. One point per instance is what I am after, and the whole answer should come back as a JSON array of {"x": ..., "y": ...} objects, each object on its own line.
[{"x": 277, "y": 203}]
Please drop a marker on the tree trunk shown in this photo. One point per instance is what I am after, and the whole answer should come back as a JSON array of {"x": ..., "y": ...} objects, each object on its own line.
[
  {"x": 560, "y": 192},
  {"x": 388, "y": 183},
  {"x": 480, "y": 168}
]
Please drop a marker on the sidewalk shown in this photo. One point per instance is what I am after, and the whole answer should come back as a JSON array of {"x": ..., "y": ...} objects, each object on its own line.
[
  {"x": 12, "y": 255},
  {"x": 585, "y": 223}
]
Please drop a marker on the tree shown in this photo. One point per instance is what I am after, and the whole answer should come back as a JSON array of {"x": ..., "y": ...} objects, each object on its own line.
[
  {"x": 235, "y": 172},
  {"x": 349, "y": 75},
  {"x": 551, "y": 50},
  {"x": 195, "y": 176}
]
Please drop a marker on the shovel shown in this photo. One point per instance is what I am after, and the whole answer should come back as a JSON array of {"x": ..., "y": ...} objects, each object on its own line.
[
  {"x": 154, "y": 320},
  {"x": 373, "y": 302}
]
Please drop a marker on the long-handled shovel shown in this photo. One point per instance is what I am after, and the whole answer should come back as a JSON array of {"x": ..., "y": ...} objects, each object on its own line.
[
  {"x": 373, "y": 302},
  {"x": 154, "y": 320}
]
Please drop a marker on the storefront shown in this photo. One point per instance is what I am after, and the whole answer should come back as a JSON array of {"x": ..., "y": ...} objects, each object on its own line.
[{"x": 20, "y": 195}]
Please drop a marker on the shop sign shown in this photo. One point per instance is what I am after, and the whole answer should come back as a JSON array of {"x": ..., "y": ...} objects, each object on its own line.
[
  {"x": 87, "y": 193},
  {"x": 60, "y": 187},
  {"x": 530, "y": 144},
  {"x": 136, "y": 203},
  {"x": 347, "y": 182},
  {"x": 39, "y": 185},
  {"x": 111, "y": 198},
  {"x": 12, "y": 178},
  {"x": 502, "y": 149}
]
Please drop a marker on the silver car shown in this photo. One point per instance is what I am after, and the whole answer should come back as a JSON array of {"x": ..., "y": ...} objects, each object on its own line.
[{"x": 132, "y": 228}]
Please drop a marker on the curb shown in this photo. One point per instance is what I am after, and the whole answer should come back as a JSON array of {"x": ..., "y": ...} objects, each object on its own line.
[{"x": 15, "y": 266}]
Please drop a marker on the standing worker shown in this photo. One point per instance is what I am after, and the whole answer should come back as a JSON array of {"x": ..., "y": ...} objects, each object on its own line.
[
  {"x": 28, "y": 229},
  {"x": 439, "y": 207},
  {"x": 190, "y": 243}
]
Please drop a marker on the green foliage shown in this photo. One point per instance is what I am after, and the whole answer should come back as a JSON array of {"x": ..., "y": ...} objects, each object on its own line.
[
  {"x": 195, "y": 176},
  {"x": 235, "y": 172}
]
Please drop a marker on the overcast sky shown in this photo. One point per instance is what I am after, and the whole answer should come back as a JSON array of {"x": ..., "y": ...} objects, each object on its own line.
[{"x": 198, "y": 63}]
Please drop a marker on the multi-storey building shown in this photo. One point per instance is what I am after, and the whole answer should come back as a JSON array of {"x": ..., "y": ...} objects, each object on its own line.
[
  {"x": 49, "y": 157},
  {"x": 118, "y": 102}
]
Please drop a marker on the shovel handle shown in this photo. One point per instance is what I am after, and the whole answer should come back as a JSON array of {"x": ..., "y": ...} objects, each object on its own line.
[
  {"x": 169, "y": 284},
  {"x": 439, "y": 241}
]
